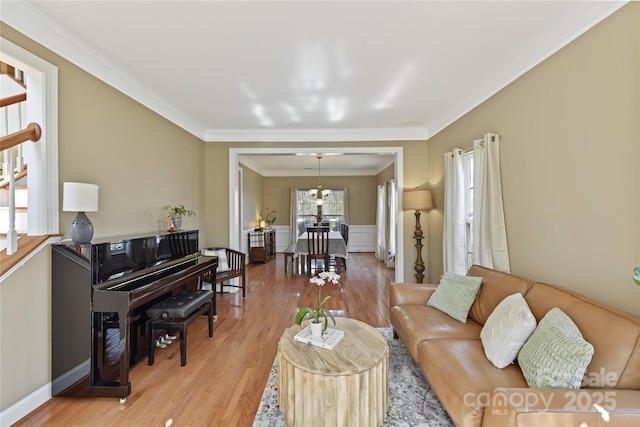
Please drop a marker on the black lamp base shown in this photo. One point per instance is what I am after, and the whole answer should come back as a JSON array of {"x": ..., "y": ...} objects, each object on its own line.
[{"x": 81, "y": 229}]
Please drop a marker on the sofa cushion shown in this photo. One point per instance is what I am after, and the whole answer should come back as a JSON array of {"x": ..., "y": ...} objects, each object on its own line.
[
  {"x": 556, "y": 355},
  {"x": 496, "y": 286},
  {"x": 463, "y": 378},
  {"x": 614, "y": 334},
  {"x": 506, "y": 330},
  {"x": 455, "y": 294},
  {"x": 414, "y": 323}
]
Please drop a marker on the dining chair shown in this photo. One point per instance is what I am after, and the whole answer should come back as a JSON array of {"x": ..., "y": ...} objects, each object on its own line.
[
  {"x": 318, "y": 247},
  {"x": 344, "y": 231}
]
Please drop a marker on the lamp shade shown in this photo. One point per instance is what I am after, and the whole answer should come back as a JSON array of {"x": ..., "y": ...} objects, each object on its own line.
[
  {"x": 417, "y": 200},
  {"x": 79, "y": 197}
]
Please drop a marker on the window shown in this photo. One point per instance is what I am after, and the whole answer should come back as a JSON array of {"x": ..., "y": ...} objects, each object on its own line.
[
  {"x": 468, "y": 206},
  {"x": 332, "y": 209},
  {"x": 474, "y": 229}
]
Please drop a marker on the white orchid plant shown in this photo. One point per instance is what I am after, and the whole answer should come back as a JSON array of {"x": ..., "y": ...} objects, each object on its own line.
[{"x": 318, "y": 313}]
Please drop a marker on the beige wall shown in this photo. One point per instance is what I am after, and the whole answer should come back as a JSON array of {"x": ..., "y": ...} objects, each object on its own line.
[
  {"x": 570, "y": 155},
  {"x": 362, "y": 195},
  {"x": 252, "y": 197},
  {"x": 216, "y": 195},
  {"x": 141, "y": 162},
  {"x": 25, "y": 330},
  {"x": 276, "y": 189},
  {"x": 386, "y": 175}
]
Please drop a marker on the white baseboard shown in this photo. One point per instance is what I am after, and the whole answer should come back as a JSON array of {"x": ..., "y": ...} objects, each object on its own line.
[
  {"x": 14, "y": 413},
  {"x": 71, "y": 377},
  {"x": 362, "y": 238},
  {"x": 44, "y": 393}
]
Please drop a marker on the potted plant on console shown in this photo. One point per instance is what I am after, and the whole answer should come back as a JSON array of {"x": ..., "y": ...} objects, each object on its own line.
[
  {"x": 176, "y": 213},
  {"x": 270, "y": 218}
]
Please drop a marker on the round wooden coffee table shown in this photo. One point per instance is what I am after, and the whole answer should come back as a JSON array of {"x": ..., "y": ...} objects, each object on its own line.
[{"x": 344, "y": 386}]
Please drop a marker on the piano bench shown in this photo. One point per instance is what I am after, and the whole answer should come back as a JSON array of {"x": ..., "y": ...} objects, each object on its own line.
[{"x": 175, "y": 313}]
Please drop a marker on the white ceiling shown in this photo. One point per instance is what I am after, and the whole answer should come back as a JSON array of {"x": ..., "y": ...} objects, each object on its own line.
[{"x": 307, "y": 70}]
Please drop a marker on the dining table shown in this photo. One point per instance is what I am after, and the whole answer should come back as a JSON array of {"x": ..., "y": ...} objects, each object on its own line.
[{"x": 337, "y": 247}]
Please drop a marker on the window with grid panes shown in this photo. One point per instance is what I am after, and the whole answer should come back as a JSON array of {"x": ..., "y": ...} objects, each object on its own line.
[{"x": 332, "y": 209}]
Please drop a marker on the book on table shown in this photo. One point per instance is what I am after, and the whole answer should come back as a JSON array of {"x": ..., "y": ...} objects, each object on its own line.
[{"x": 329, "y": 339}]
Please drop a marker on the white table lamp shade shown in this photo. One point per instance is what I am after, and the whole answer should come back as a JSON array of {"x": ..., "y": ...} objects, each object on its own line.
[
  {"x": 417, "y": 200},
  {"x": 80, "y": 197}
]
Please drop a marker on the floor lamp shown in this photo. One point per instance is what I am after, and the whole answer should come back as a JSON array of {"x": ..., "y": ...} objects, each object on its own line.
[{"x": 417, "y": 200}]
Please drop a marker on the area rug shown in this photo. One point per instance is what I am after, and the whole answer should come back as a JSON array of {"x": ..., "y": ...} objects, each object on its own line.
[{"x": 411, "y": 400}]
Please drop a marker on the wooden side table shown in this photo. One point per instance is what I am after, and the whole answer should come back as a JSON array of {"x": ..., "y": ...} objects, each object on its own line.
[
  {"x": 346, "y": 386},
  {"x": 262, "y": 245}
]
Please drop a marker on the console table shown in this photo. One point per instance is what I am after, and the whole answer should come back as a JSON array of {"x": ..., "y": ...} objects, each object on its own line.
[
  {"x": 262, "y": 245},
  {"x": 344, "y": 386}
]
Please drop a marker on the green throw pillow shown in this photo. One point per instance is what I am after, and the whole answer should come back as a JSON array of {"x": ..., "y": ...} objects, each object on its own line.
[
  {"x": 555, "y": 355},
  {"x": 455, "y": 295}
]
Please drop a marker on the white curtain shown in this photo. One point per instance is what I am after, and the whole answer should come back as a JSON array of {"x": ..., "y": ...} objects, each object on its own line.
[
  {"x": 345, "y": 215},
  {"x": 489, "y": 229},
  {"x": 454, "y": 226},
  {"x": 393, "y": 217},
  {"x": 381, "y": 220},
  {"x": 293, "y": 216}
]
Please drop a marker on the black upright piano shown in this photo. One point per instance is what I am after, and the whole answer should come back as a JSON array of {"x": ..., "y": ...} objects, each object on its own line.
[{"x": 100, "y": 294}]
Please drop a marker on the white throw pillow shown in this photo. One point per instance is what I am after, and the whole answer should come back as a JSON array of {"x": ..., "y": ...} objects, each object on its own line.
[
  {"x": 223, "y": 265},
  {"x": 506, "y": 330},
  {"x": 455, "y": 295}
]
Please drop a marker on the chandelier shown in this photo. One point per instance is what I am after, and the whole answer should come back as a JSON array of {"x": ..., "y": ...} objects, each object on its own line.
[{"x": 318, "y": 192}]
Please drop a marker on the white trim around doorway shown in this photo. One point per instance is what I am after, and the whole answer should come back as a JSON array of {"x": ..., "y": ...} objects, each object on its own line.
[{"x": 234, "y": 191}]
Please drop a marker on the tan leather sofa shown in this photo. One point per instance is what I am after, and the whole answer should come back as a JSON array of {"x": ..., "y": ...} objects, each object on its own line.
[{"x": 476, "y": 393}]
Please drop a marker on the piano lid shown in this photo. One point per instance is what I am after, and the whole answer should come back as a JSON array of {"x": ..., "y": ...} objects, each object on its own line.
[{"x": 118, "y": 258}]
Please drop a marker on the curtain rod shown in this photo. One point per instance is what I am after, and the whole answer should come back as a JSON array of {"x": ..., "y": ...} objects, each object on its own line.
[{"x": 470, "y": 149}]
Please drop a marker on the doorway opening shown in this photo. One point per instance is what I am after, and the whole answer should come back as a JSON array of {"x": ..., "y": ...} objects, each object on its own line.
[{"x": 235, "y": 194}]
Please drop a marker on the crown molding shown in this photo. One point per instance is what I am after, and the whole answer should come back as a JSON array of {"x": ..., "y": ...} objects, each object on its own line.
[
  {"x": 37, "y": 26},
  {"x": 315, "y": 135}
]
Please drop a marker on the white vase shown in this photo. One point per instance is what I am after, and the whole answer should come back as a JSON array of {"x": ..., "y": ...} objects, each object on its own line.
[
  {"x": 177, "y": 221},
  {"x": 316, "y": 329}
]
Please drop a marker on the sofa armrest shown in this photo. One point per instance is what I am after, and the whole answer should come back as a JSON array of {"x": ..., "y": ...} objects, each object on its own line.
[
  {"x": 410, "y": 293},
  {"x": 560, "y": 407}
]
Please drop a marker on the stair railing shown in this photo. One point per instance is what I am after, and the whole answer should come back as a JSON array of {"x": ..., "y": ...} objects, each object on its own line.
[{"x": 11, "y": 146}]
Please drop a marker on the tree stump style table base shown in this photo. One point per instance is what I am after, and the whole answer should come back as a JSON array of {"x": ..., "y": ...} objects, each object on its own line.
[{"x": 346, "y": 386}]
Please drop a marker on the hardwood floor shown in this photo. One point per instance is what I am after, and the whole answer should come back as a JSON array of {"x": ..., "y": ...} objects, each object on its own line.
[{"x": 222, "y": 383}]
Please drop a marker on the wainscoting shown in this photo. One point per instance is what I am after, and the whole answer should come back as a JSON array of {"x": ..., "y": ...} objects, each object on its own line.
[{"x": 362, "y": 238}]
